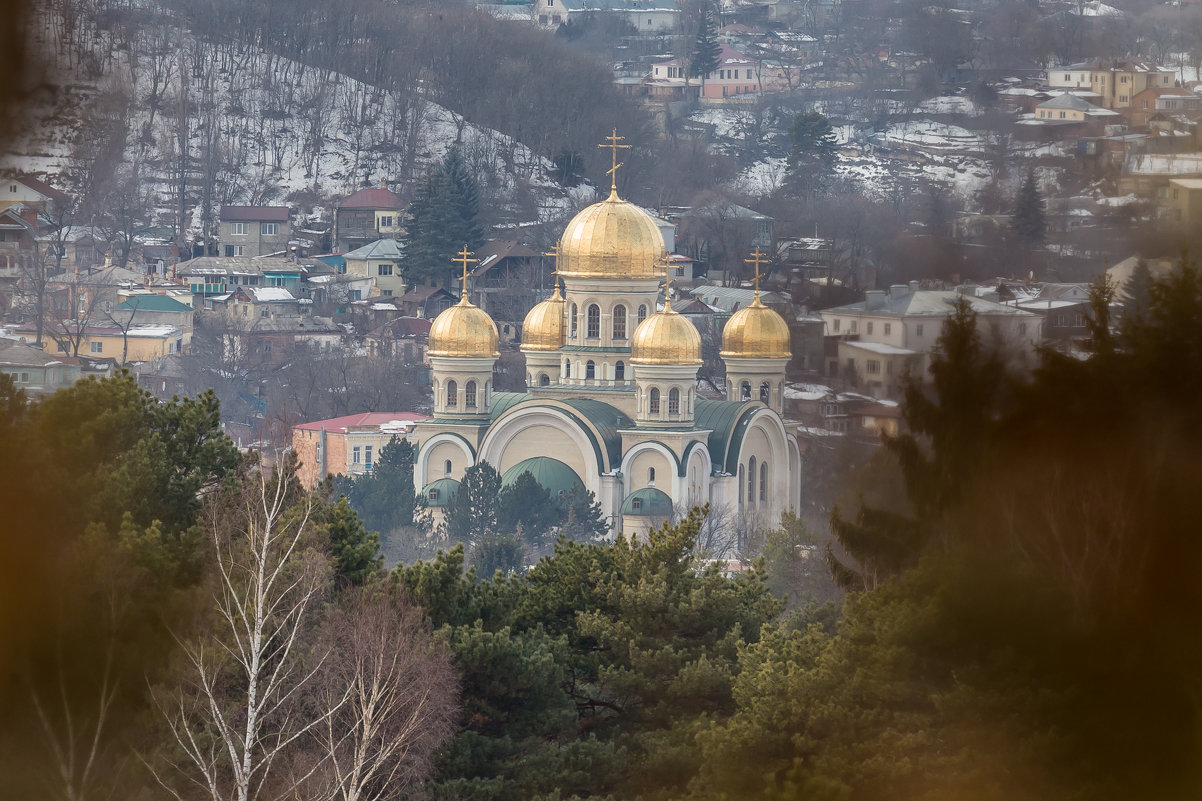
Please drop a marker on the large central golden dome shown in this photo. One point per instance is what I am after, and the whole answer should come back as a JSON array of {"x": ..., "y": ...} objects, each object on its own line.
[
  {"x": 463, "y": 330},
  {"x": 611, "y": 239},
  {"x": 666, "y": 338},
  {"x": 543, "y": 327},
  {"x": 755, "y": 331}
]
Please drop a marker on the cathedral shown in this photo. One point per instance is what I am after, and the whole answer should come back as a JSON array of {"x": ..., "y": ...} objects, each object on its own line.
[{"x": 611, "y": 398}]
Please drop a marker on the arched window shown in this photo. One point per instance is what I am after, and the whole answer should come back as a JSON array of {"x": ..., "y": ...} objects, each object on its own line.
[
  {"x": 469, "y": 395},
  {"x": 572, "y": 323},
  {"x": 740, "y": 486},
  {"x": 653, "y": 407},
  {"x": 751, "y": 481},
  {"x": 619, "y": 322},
  {"x": 452, "y": 394},
  {"x": 650, "y": 475},
  {"x": 674, "y": 401},
  {"x": 567, "y": 369},
  {"x": 745, "y": 391},
  {"x": 764, "y": 482},
  {"x": 642, "y": 313},
  {"x": 446, "y": 467},
  {"x": 764, "y": 392},
  {"x": 620, "y": 371},
  {"x": 487, "y": 392},
  {"x": 544, "y": 380},
  {"x": 688, "y": 406},
  {"x": 590, "y": 367},
  {"x": 594, "y": 321}
]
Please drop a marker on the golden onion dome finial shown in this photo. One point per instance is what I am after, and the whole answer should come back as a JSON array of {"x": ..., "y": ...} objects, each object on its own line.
[
  {"x": 756, "y": 331},
  {"x": 554, "y": 254},
  {"x": 667, "y": 262},
  {"x": 666, "y": 337},
  {"x": 463, "y": 330},
  {"x": 757, "y": 258},
  {"x": 464, "y": 257}
]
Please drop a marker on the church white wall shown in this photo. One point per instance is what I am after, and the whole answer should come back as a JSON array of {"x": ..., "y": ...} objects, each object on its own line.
[{"x": 434, "y": 454}]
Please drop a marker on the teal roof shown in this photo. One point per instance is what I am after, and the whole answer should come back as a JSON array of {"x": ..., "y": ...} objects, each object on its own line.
[
  {"x": 727, "y": 421},
  {"x": 554, "y": 476},
  {"x": 447, "y": 489},
  {"x": 154, "y": 303},
  {"x": 607, "y": 420},
  {"x": 501, "y": 401},
  {"x": 651, "y": 502}
]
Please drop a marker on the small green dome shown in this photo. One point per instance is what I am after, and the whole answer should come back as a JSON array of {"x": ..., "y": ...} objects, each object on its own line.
[
  {"x": 440, "y": 493},
  {"x": 647, "y": 502},
  {"x": 553, "y": 475}
]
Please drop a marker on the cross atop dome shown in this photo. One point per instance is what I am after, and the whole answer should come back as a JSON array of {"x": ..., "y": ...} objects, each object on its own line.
[
  {"x": 757, "y": 258},
  {"x": 464, "y": 257},
  {"x": 611, "y": 142},
  {"x": 554, "y": 254}
]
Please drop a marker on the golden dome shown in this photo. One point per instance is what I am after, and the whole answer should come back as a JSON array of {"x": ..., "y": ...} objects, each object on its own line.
[
  {"x": 611, "y": 239},
  {"x": 756, "y": 331},
  {"x": 463, "y": 330},
  {"x": 665, "y": 338},
  {"x": 543, "y": 327}
]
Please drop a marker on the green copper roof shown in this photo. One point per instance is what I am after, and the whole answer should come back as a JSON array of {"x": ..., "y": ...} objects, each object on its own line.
[
  {"x": 727, "y": 421},
  {"x": 607, "y": 420},
  {"x": 554, "y": 476},
  {"x": 447, "y": 489},
  {"x": 647, "y": 502},
  {"x": 501, "y": 401},
  {"x": 154, "y": 303}
]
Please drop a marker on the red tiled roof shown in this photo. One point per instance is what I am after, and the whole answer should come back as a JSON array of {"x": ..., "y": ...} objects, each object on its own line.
[
  {"x": 373, "y": 198},
  {"x": 254, "y": 213},
  {"x": 43, "y": 187},
  {"x": 364, "y": 419}
]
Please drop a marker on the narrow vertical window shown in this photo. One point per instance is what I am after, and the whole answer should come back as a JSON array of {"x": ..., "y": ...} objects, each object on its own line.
[
  {"x": 764, "y": 482},
  {"x": 642, "y": 313},
  {"x": 619, "y": 322},
  {"x": 751, "y": 481},
  {"x": 764, "y": 392},
  {"x": 620, "y": 371},
  {"x": 590, "y": 369},
  {"x": 469, "y": 395},
  {"x": 572, "y": 322},
  {"x": 452, "y": 394},
  {"x": 594, "y": 321},
  {"x": 446, "y": 467},
  {"x": 745, "y": 391},
  {"x": 674, "y": 401},
  {"x": 654, "y": 402}
]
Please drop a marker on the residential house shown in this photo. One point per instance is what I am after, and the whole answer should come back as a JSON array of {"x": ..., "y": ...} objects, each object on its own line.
[
  {"x": 348, "y": 446},
  {"x": 507, "y": 279},
  {"x": 367, "y": 215},
  {"x": 273, "y": 340},
  {"x": 120, "y": 346},
  {"x": 1063, "y": 307},
  {"x": 254, "y": 230},
  {"x": 1118, "y": 82},
  {"x": 1165, "y": 101},
  {"x": 35, "y": 371},
  {"x": 381, "y": 262},
  {"x": 256, "y": 302},
  {"x": 1068, "y": 108},
  {"x": 146, "y": 308},
  {"x": 167, "y": 377},
  {"x": 426, "y": 301},
  {"x": 645, "y": 16},
  {"x": 18, "y": 248},
  {"x": 909, "y": 321},
  {"x": 404, "y": 338},
  {"x": 1071, "y": 76},
  {"x": 25, "y": 190},
  {"x": 876, "y": 367},
  {"x": 1180, "y": 204},
  {"x": 707, "y": 232},
  {"x": 737, "y": 74}
]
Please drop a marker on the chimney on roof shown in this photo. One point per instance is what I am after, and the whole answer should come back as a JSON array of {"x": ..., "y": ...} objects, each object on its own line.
[
  {"x": 899, "y": 291},
  {"x": 874, "y": 299},
  {"x": 913, "y": 287}
]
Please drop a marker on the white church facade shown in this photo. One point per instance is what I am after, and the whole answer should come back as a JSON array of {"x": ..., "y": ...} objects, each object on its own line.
[{"x": 611, "y": 397}]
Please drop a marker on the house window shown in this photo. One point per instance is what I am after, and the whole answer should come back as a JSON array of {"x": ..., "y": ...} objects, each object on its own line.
[
  {"x": 452, "y": 394},
  {"x": 854, "y": 325},
  {"x": 23, "y": 378},
  {"x": 764, "y": 482},
  {"x": 1122, "y": 98},
  {"x": 241, "y": 229},
  {"x": 235, "y": 250},
  {"x": 383, "y": 269},
  {"x": 873, "y": 367},
  {"x": 651, "y": 476},
  {"x": 386, "y": 221},
  {"x": 355, "y": 455},
  {"x": 590, "y": 369},
  {"x": 1068, "y": 77},
  {"x": 765, "y": 391},
  {"x": 1122, "y": 79},
  {"x": 918, "y": 330},
  {"x": 594, "y": 321},
  {"x": 836, "y": 325},
  {"x": 888, "y": 328},
  {"x": 620, "y": 371},
  {"x": 1022, "y": 328},
  {"x": 642, "y": 314},
  {"x": 674, "y": 401},
  {"x": 269, "y": 229},
  {"x": 387, "y": 293},
  {"x": 96, "y": 347},
  {"x": 653, "y": 406},
  {"x": 870, "y": 328},
  {"x": 469, "y": 395},
  {"x": 619, "y": 322},
  {"x": 367, "y": 456}
]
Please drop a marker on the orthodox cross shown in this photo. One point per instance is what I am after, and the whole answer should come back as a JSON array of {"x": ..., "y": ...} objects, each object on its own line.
[
  {"x": 757, "y": 258},
  {"x": 612, "y": 143},
  {"x": 554, "y": 253},
  {"x": 464, "y": 257},
  {"x": 667, "y": 282}
]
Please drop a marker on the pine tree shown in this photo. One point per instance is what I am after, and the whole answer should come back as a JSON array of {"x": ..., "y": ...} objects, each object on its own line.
[
  {"x": 444, "y": 217},
  {"x": 1027, "y": 221},
  {"x": 383, "y": 497},
  {"x": 472, "y": 515},
  {"x": 813, "y": 153},
  {"x": 1139, "y": 287},
  {"x": 707, "y": 54}
]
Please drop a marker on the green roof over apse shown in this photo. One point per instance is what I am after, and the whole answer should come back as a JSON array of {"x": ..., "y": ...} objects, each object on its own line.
[
  {"x": 554, "y": 476},
  {"x": 501, "y": 401},
  {"x": 607, "y": 420},
  {"x": 727, "y": 421},
  {"x": 647, "y": 502},
  {"x": 447, "y": 489}
]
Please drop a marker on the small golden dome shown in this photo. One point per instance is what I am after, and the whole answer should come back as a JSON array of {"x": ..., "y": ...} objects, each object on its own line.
[
  {"x": 611, "y": 239},
  {"x": 666, "y": 338},
  {"x": 756, "y": 331},
  {"x": 543, "y": 326},
  {"x": 463, "y": 330}
]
